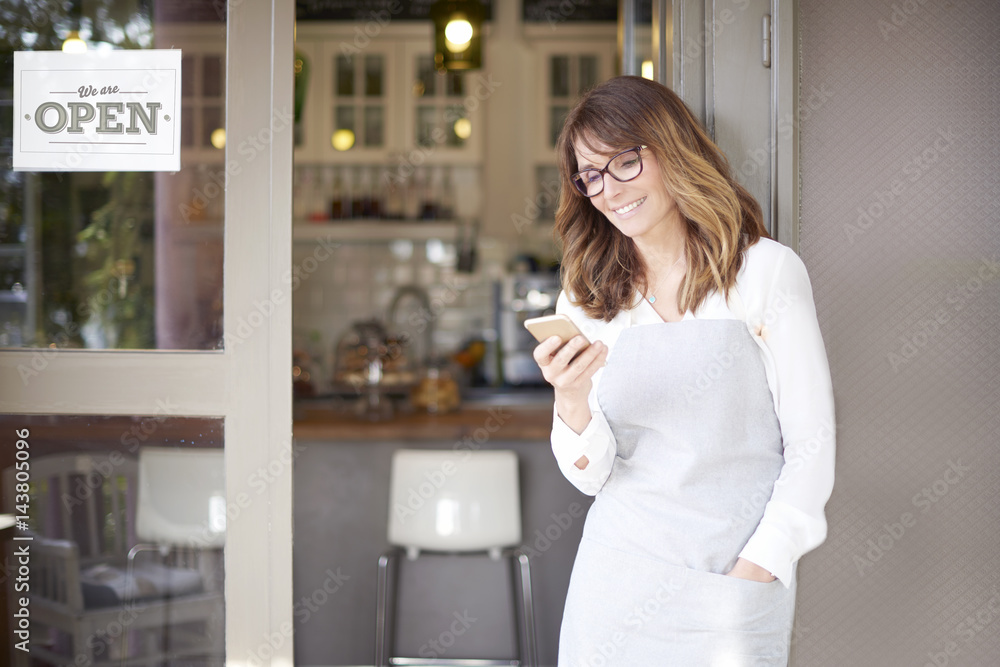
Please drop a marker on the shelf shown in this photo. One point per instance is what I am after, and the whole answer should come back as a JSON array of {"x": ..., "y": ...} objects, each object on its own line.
[
  {"x": 12, "y": 249},
  {"x": 375, "y": 230},
  {"x": 7, "y": 296}
]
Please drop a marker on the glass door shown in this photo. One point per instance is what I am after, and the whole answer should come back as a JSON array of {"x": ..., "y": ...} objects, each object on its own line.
[{"x": 145, "y": 327}]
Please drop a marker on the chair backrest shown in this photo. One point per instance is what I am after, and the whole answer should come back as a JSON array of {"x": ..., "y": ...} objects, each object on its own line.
[
  {"x": 182, "y": 497},
  {"x": 448, "y": 500},
  {"x": 85, "y": 497}
]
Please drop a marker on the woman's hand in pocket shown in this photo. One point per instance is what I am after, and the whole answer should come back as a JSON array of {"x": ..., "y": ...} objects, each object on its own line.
[{"x": 744, "y": 569}]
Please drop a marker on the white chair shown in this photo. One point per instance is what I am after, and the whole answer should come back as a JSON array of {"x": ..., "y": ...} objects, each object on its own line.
[
  {"x": 454, "y": 502},
  {"x": 85, "y": 602},
  {"x": 181, "y": 514}
]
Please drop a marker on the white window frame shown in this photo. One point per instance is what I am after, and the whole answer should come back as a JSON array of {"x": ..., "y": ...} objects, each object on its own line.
[{"x": 249, "y": 383}]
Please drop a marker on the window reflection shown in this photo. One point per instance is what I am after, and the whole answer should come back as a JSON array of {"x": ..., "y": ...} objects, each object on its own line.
[
  {"x": 117, "y": 260},
  {"x": 132, "y": 511}
]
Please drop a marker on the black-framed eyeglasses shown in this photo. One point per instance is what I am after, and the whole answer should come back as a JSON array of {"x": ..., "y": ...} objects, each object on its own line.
[{"x": 622, "y": 167}]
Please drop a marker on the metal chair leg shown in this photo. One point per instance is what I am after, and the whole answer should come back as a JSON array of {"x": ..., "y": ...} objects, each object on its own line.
[
  {"x": 386, "y": 611},
  {"x": 388, "y": 566},
  {"x": 527, "y": 610}
]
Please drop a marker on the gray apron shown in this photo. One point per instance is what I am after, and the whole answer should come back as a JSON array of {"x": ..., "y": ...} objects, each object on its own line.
[{"x": 699, "y": 449}]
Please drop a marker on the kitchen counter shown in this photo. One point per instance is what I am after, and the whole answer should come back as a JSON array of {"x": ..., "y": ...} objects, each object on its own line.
[{"x": 506, "y": 416}]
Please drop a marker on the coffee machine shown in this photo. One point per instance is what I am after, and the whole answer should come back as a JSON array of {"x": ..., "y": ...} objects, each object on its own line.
[{"x": 516, "y": 298}]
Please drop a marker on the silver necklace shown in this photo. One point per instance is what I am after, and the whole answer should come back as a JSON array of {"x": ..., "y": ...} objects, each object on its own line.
[{"x": 651, "y": 298}]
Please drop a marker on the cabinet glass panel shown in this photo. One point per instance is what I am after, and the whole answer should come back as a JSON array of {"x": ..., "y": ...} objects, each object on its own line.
[
  {"x": 426, "y": 77},
  {"x": 588, "y": 73},
  {"x": 557, "y": 119},
  {"x": 344, "y": 119},
  {"x": 211, "y": 82},
  {"x": 123, "y": 259},
  {"x": 374, "y": 126},
  {"x": 426, "y": 122},
  {"x": 455, "y": 84},
  {"x": 106, "y": 486},
  {"x": 187, "y": 76},
  {"x": 559, "y": 76},
  {"x": 344, "y": 77},
  {"x": 187, "y": 126},
  {"x": 457, "y": 126},
  {"x": 374, "y": 75},
  {"x": 213, "y": 135}
]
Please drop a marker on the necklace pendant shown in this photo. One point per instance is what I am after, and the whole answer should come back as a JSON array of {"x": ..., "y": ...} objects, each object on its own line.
[{"x": 651, "y": 299}]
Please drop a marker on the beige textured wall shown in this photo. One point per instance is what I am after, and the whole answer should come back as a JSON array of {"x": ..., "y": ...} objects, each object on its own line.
[{"x": 900, "y": 231}]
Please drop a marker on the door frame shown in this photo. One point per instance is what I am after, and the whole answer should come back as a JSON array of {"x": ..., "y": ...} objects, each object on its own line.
[
  {"x": 692, "y": 74},
  {"x": 249, "y": 383}
]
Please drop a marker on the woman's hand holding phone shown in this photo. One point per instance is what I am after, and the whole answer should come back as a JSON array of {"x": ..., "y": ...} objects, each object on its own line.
[{"x": 569, "y": 366}]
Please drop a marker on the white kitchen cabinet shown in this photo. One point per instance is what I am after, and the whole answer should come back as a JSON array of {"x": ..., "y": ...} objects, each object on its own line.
[{"x": 203, "y": 88}]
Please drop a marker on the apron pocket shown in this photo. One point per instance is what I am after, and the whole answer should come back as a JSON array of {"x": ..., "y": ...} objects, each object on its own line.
[{"x": 749, "y": 622}]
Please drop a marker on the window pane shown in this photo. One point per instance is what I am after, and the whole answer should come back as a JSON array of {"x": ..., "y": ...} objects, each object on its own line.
[
  {"x": 187, "y": 126},
  {"x": 559, "y": 73},
  {"x": 373, "y": 76},
  {"x": 557, "y": 118},
  {"x": 588, "y": 73},
  {"x": 118, "y": 260},
  {"x": 187, "y": 76},
  {"x": 426, "y": 122},
  {"x": 458, "y": 126},
  {"x": 373, "y": 126},
  {"x": 211, "y": 124},
  {"x": 344, "y": 77},
  {"x": 343, "y": 118},
  {"x": 211, "y": 82},
  {"x": 455, "y": 84},
  {"x": 105, "y": 485},
  {"x": 426, "y": 77}
]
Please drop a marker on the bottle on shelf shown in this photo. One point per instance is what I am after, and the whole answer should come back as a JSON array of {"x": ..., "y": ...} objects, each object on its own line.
[
  {"x": 432, "y": 195},
  {"x": 357, "y": 195},
  {"x": 326, "y": 198},
  {"x": 337, "y": 200},
  {"x": 446, "y": 207},
  {"x": 395, "y": 196},
  {"x": 376, "y": 192},
  {"x": 367, "y": 210},
  {"x": 414, "y": 194}
]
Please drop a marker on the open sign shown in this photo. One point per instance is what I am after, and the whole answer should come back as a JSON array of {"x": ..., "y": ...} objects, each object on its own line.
[
  {"x": 109, "y": 111},
  {"x": 75, "y": 114}
]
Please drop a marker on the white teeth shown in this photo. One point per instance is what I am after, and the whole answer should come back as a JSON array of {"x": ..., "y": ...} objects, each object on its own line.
[{"x": 625, "y": 209}]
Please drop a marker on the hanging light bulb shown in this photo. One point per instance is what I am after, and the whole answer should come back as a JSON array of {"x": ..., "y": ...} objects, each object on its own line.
[
  {"x": 457, "y": 34},
  {"x": 73, "y": 43},
  {"x": 458, "y": 26}
]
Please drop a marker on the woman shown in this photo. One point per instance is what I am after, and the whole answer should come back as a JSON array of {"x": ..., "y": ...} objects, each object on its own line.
[{"x": 701, "y": 416}]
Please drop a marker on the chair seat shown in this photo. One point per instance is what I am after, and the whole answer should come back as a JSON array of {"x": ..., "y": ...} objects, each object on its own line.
[{"x": 107, "y": 585}]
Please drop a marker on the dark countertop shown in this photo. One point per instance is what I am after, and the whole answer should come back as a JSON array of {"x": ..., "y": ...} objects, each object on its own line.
[{"x": 520, "y": 415}]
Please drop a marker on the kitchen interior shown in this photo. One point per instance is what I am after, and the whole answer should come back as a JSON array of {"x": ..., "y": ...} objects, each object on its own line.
[{"x": 420, "y": 256}]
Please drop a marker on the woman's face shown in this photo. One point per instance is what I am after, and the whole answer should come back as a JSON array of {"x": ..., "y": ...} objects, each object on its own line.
[{"x": 637, "y": 207}]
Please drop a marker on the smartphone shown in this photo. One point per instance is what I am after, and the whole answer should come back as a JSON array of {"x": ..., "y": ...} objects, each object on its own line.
[{"x": 552, "y": 325}]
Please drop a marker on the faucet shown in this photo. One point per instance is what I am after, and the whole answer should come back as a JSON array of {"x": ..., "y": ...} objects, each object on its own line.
[{"x": 424, "y": 323}]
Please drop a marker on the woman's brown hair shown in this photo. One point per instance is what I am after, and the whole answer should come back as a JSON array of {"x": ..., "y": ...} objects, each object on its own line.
[{"x": 601, "y": 267}]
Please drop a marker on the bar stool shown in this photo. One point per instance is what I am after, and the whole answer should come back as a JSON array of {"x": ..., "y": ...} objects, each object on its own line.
[{"x": 448, "y": 501}]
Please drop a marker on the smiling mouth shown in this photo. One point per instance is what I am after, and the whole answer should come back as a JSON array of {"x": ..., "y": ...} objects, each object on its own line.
[{"x": 625, "y": 209}]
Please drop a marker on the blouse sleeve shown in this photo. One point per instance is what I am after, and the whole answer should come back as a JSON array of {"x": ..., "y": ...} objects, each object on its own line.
[
  {"x": 596, "y": 442},
  {"x": 794, "y": 521}
]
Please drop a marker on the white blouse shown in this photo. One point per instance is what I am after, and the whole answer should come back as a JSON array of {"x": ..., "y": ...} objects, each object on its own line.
[{"x": 774, "y": 289}]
